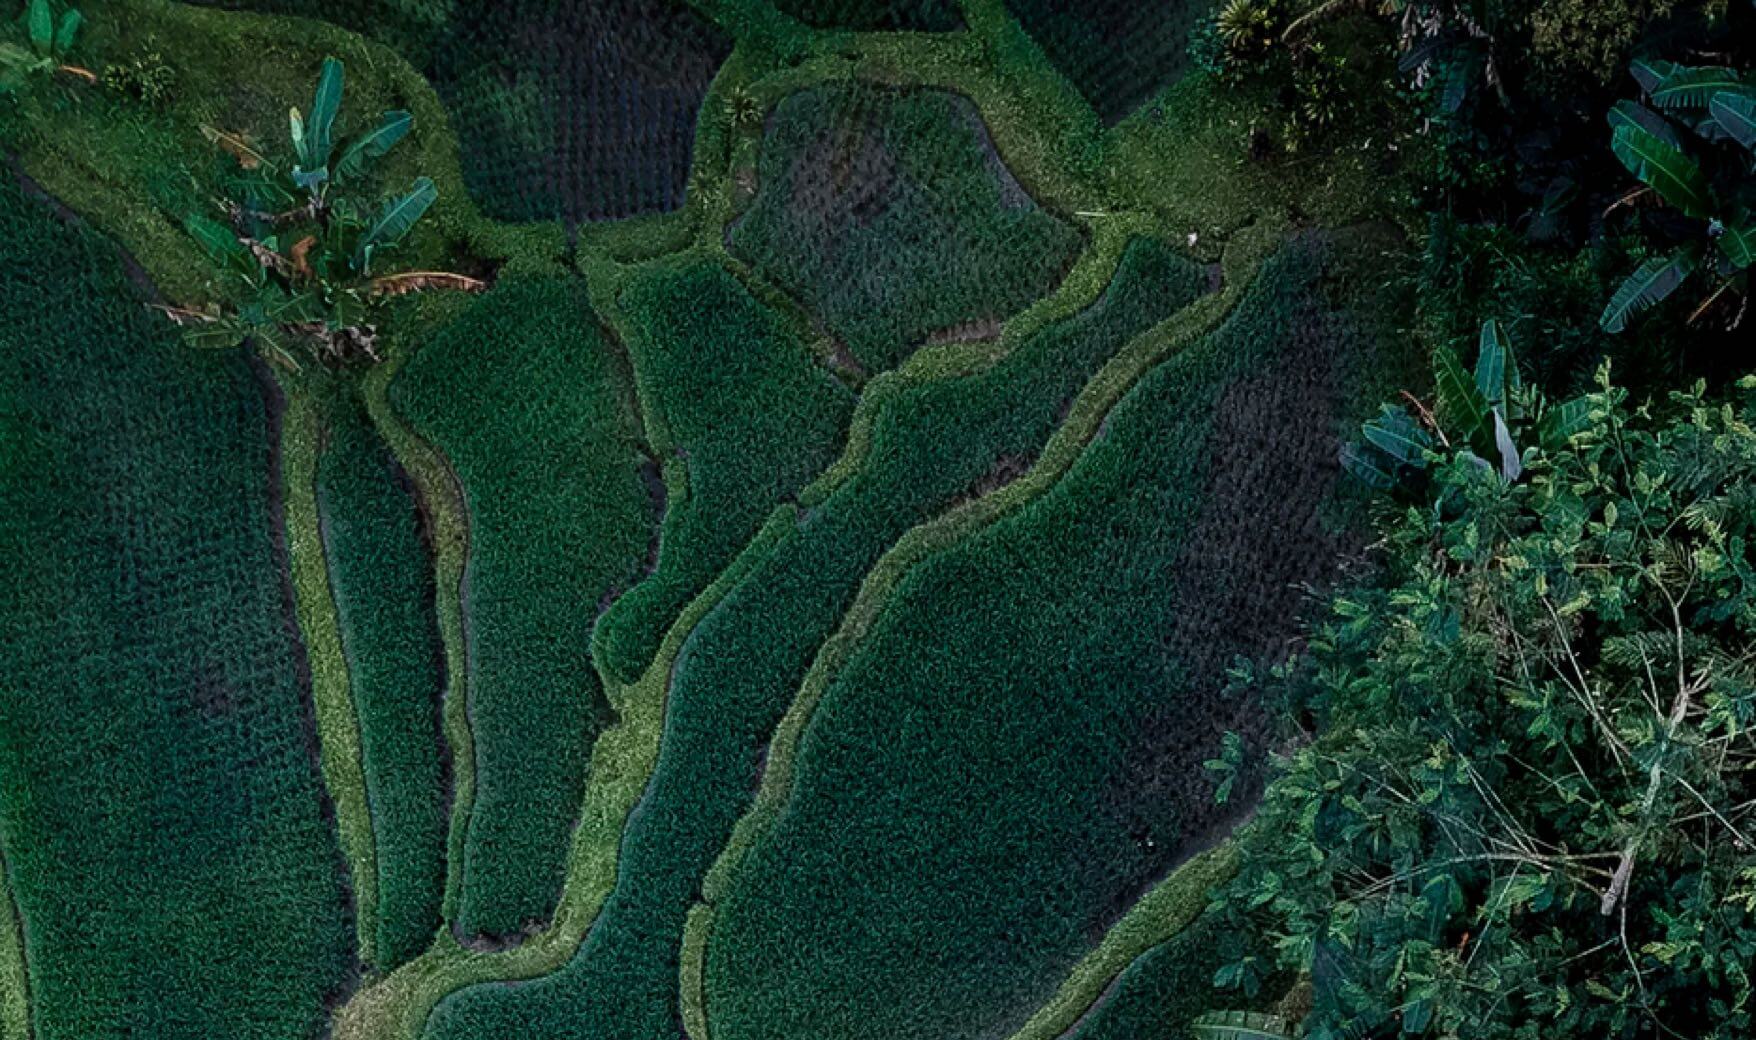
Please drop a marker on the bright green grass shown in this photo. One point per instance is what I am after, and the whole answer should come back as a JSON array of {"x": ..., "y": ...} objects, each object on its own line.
[
  {"x": 743, "y": 417},
  {"x": 743, "y": 662},
  {"x": 1013, "y": 752},
  {"x": 165, "y": 833},
  {"x": 522, "y": 395},
  {"x": 381, "y": 578},
  {"x": 889, "y": 216}
]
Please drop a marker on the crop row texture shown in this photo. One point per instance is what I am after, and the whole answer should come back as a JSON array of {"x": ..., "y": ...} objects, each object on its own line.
[
  {"x": 890, "y": 216},
  {"x": 166, "y": 833},
  {"x": 381, "y": 578},
  {"x": 745, "y": 659},
  {"x": 559, "y": 521},
  {"x": 1014, "y": 751},
  {"x": 1117, "y": 52},
  {"x": 744, "y": 418}
]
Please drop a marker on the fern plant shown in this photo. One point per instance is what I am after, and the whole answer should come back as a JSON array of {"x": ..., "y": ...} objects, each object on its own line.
[
  {"x": 1693, "y": 113},
  {"x": 305, "y": 275},
  {"x": 1240, "y": 1025}
]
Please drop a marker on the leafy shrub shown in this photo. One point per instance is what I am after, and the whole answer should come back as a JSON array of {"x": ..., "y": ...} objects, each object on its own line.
[
  {"x": 381, "y": 578},
  {"x": 1522, "y": 814},
  {"x": 748, "y": 419},
  {"x": 146, "y": 79},
  {"x": 547, "y": 454},
  {"x": 889, "y": 215},
  {"x": 165, "y": 828},
  {"x": 1719, "y": 201},
  {"x": 745, "y": 659},
  {"x": 1013, "y": 751}
]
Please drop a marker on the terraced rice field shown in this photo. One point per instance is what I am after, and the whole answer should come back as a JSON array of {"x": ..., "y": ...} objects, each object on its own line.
[{"x": 793, "y": 601}]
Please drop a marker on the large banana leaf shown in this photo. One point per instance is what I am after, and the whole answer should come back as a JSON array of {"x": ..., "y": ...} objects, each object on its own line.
[
  {"x": 1738, "y": 242},
  {"x": 321, "y": 124},
  {"x": 1563, "y": 421},
  {"x": 394, "y": 219},
  {"x": 41, "y": 23},
  {"x": 1736, "y": 115},
  {"x": 1397, "y": 435},
  {"x": 68, "y": 31},
  {"x": 1665, "y": 169},
  {"x": 1650, "y": 72},
  {"x": 1368, "y": 467},
  {"x": 1688, "y": 87},
  {"x": 1646, "y": 288},
  {"x": 1466, "y": 412},
  {"x": 222, "y": 245},
  {"x": 392, "y": 127},
  {"x": 1633, "y": 113},
  {"x": 1496, "y": 368},
  {"x": 1240, "y": 1025}
]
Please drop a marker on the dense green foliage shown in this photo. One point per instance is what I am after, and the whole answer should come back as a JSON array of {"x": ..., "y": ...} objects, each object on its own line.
[
  {"x": 744, "y": 418},
  {"x": 889, "y": 214},
  {"x": 548, "y": 457},
  {"x": 744, "y": 661},
  {"x": 1525, "y": 808},
  {"x": 1096, "y": 621},
  {"x": 1170, "y": 986},
  {"x": 165, "y": 831},
  {"x": 381, "y": 577}
]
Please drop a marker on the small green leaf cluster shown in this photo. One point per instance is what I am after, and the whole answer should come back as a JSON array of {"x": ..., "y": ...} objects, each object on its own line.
[
  {"x": 49, "y": 38},
  {"x": 1527, "y": 808},
  {"x": 1717, "y": 106}
]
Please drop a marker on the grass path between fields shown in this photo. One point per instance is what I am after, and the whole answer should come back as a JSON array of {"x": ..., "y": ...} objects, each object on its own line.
[
  {"x": 1176, "y": 175},
  {"x": 338, "y": 726},
  {"x": 15, "y": 1021},
  {"x": 1242, "y": 257}
]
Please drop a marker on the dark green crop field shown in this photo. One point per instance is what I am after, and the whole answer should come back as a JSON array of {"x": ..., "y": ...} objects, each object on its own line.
[
  {"x": 932, "y": 840},
  {"x": 873, "y": 208},
  {"x": 548, "y": 459},
  {"x": 875, "y": 520},
  {"x": 168, "y": 844},
  {"x": 381, "y": 574}
]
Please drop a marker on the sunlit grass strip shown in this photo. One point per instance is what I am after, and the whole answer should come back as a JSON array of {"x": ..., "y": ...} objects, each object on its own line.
[
  {"x": 1243, "y": 257},
  {"x": 338, "y": 729},
  {"x": 443, "y": 499},
  {"x": 1171, "y": 906},
  {"x": 622, "y": 760},
  {"x": 14, "y": 971}
]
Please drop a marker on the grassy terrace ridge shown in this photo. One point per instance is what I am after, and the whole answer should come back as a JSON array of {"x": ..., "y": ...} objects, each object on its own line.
[
  {"x": 1042, "y": 130},
  {"x": 796, "y": 882},
  {"x": 119, "y": 533},
  {"x": 920, "y": 544},
  {"x": 548, "y": 459},
  {"x": 381, "y": 579},
  {"x": 338, "y": 727},
  {"x": 14, "y": 972}
]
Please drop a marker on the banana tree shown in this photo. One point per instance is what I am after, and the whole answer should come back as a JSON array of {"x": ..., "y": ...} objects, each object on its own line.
[
  {"x": 1484, "y": 416},
  {"x": 48, "y": 40},
  {"x": 309, "y": 275},
  {"x": 1717, "y": 107}
]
